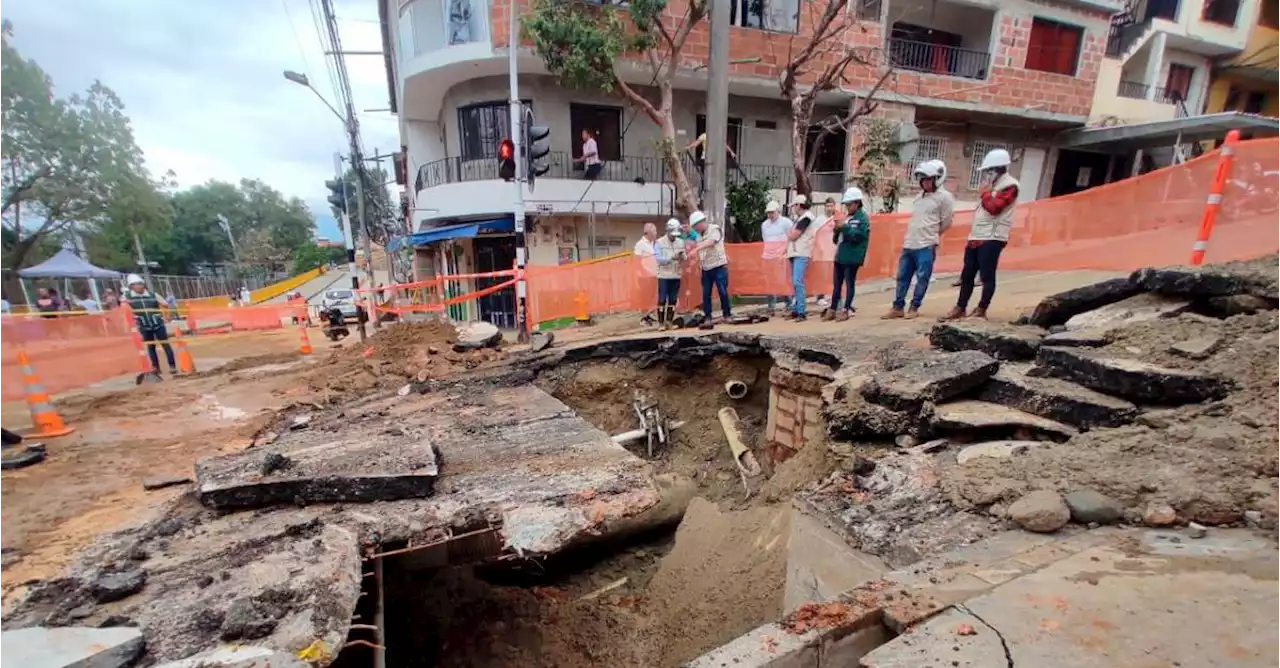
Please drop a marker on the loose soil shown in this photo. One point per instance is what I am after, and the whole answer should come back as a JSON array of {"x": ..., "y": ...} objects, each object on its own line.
[{"x": 1211, "y": 461}]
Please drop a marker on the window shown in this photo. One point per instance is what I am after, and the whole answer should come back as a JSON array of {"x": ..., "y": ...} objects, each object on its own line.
[
  {"x": 1053, "y": 47},
  {"x": 867, "y": 10},
  {"x": 1255, "y": 103},
  {"x": 482, "y": 126},
  {"x": 930, "y": 148},
  {"x": 775, "y": 15},
  {"x": 1269, "y": 15},
  {"x": 605, "y": 123},
  {"x": 766, "y": 125},
  {"x": 734, "y": 131},
  {"x": 980, "y": 150},
  {"x": 1178, "y": 83},
  {"x": 1223, "y": 11}
]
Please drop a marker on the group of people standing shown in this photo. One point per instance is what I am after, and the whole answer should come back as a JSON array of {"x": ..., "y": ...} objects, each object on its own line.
[{"x": 795, "y": 238}]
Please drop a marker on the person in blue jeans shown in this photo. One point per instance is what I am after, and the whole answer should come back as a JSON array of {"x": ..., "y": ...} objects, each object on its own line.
[
  {"x": 930, "y": 217},
  {"x": 715, "y": 266},
  {"x": 799, "y": 249}
]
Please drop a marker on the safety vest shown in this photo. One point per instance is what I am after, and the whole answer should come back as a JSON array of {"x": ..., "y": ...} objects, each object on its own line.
[
  {"x": 994, "y": 227},
  {"x": 802, "y": 246}
]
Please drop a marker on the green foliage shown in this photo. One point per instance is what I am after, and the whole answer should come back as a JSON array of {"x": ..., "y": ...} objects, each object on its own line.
[
  {"x": 309, "y": 256},
  {"x": 880, "y": 150},
  {"x": 380, "y": 214},
  {"x": 746, "y": 201},
  {"x": 579, "y": 42}
]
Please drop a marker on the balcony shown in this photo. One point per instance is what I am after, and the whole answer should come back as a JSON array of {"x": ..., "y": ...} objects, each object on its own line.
[
  {"x": 426, "y": 26},
  {"x": 938, "y": 59},
  {"x": 1133, "y": 90}
]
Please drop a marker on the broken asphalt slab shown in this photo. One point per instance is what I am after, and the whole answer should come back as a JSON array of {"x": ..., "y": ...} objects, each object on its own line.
[
  {"x": 1138, "y": 308},
  {"x": 1057, "y": 309},
  {"x": 978, "y": 416},
  {"x": 1003, "y": 342},
  {"x": 934, "y": 378},
  {"x": 1056, "y": 399},
  {"x": 1077, "y": 339},
  {"x": 1213, "y": 281},
  {"x": 70, "y": 647},
  {"x": 1131, "y": 379}
]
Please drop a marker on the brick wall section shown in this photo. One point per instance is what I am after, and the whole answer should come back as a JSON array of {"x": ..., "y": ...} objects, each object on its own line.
[
  {"x": 795, "y": 412},
  {"x": 1008, "y": 85}
]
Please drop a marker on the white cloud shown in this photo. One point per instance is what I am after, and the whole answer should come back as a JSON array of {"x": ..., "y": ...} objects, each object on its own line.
[{"x": 203, "y": 85}]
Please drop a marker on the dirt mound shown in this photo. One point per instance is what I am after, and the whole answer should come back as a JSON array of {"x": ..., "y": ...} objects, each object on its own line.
[{"x": 1211, "y": 461}]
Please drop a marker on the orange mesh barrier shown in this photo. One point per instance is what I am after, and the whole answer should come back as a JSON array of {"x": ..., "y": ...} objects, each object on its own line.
[
  {"x": 67, "y": 351},
  {"x": 242, "y": 318},
  {"x": 1148, "y": 220}
]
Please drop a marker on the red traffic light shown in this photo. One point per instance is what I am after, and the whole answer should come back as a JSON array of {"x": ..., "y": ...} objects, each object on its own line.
[{"x": 506, "y": 149}]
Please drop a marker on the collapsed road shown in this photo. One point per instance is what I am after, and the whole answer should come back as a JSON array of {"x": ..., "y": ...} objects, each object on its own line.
[{"x": 903, "y": 452}]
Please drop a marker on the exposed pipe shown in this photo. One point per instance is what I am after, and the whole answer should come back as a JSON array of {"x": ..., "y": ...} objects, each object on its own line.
[
  {"x": 736, "y": 389},
  {"x": 637, "y": 434}
]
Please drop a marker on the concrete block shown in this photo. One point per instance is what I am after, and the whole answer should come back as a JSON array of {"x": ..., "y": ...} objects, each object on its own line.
[
  {"x": 933, "y": 379},
  {"x": 1003, "y": 342},
  {"x": 1132, "y": 379},
  {"x": 1138, "y": 308},
  {"x": 1056, "y": 399},
  {"x": 980, "y": 415},
  {"x": 239, "y": 656},
  {"x": 71, "y": 647},
  {"x": 821, "y": 564}
]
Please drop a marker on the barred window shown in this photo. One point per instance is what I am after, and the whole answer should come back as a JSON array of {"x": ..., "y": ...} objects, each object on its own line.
[
  {"x": 980, "y": 151},
  {"x": 931, "y": 148}
]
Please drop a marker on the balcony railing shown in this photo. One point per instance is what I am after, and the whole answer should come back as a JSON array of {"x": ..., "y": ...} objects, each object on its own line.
[
  {"x": 1133, "y": 90},
  {"x": 938, "y": 59},
  {"x": 429, "y": 25}
]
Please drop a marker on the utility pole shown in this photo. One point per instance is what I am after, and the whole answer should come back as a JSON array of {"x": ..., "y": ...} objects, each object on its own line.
[
  {"x": 347, "y": 238},
  {"x": 517, "y": 137},
  {"x": 717, "y": 114}
]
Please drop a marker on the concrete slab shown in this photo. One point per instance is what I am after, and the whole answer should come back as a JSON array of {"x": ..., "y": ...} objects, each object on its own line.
[
  {"x": 1001, "y": 341},
  {"x": 1138, "y": 308},
  {"x": 978, "y": 415},
  {"x": 239, "y": 656},
  {"x": 1131, "y": 379},
  {"x": 70, "y": 647},
  {"x": 934, "y": 378},
  {"x": 1056, "y": 399},
  {"x": 1135, "y": 603},
  {"x": 1058, "y": 308}
]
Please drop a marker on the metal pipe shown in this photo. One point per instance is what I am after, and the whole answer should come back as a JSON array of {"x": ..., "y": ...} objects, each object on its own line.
[{"x": 637, "y": 434}]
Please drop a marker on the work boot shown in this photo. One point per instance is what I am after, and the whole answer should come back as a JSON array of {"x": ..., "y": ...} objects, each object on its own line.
[
  {"x": 954, "y": 314},
  {"x": 671, "y": 318},
  {"x": 706, "y": 325},
  {"x": 979, "y": 313},
  {"x": 912, "y": 313},
  {"x": 662, "y": 318},
  {"x": 893, "y": 314},
  {"x": 828, "y": 314},
  {"x": 842, "y": 315}
]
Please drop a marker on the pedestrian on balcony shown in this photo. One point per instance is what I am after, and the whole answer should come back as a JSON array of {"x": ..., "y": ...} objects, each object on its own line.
[
  {"x": 850, "y": 236},
  {"x": 715, "y": 266},
  {"x": 992, "y": 222},
  {"x": 669, "y": 252},
  {"x": 590, "y": 156},
  {"x": 773, "y": 232},
  {"x": 930, "y": 217},
  {"x": 799, "y": 249}
]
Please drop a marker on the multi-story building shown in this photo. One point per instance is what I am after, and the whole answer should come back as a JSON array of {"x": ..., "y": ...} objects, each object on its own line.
[
  {"x": 972, "y": 75},
  {"x": 1246, "y": 81}
]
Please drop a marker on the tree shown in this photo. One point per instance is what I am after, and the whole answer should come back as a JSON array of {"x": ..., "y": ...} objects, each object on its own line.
[
  {"x": 379, "y": 213},
  {"x": 265, "y": 225},
  {"x": 583, "y": 44},
  {"x": 745, "y": 202},
  {"x": 63, "y": 159},
  {"x": 138, "y": 218},
  {"x": 878, "y": 150},
  {"x": 309, "y": 256},
  {"x": 819, "y": 67}
]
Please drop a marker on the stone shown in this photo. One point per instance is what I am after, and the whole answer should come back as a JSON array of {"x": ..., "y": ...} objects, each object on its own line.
[
  {"x": 1084, "y": 338},
  {"x": 1138, "y": 308},
  {"x": 1225, "y": 307},
  {"x": 905, "y": 441},
  {"x": 1159, "y": 515},
  {"x": 1132, "y": 379},
  {"x": 1252, "y": 518},
  {"x": 1197, "y": 531},
  {"x": 1090, "y": 507},
  {"x": 153, "y": 483},
  {"x": 1040, "y": 511},
  {"x": 932, "y": 379},
  {"x": 113, "y": 586},
  {"x": 243, "y": 621},
  {"x": 1056, "y": 399},
  {"x": 301, "y": 421},
  {"x": 981, "y": 415},
  {"x": 1058, "y": 309},
  {"x": 239, "y": 656},
  {"x": 475, "y": 335},
  {"x": 540, "y": 341},
  {"x": 1198, "y": 348},
  {"x": 1196, "y": 282},
  {"x": 71, "y": 647},
  {"x": 994, "y": 450},
  {"x": 1003, "y": 342}
]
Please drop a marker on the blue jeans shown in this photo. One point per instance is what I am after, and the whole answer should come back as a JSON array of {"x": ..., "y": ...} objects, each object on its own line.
[
  {"x": 845, "y": 275},
  {"x": 719, "y": 277},
  {"x": 916, "y": 262},
  {"x": 798, "y": 266},
  {"x": 668, "y": 291}
]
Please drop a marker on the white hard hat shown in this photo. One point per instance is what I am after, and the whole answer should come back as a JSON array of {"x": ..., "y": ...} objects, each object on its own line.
[
  {"x": 696, "y": 217},
  {"x": 801, "y": 200},
  {"x": 852, "y": 194},
  {"x": 132, "y": 279},
  {"x": 673, "y": 226},
  {"x": 772, "y": 206},
  {"x": 931, "y": 168},
  {"x": 995, "y": 158}
]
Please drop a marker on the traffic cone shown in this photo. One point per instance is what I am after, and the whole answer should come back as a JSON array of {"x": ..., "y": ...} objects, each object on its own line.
[
  {"x": 580, "y": 312},
  {"x": 186, "y": 364},
  {"x": 47, "y": 421},
  {"x": 305, "y": 348},
  {"x": 144, "y": 361}
]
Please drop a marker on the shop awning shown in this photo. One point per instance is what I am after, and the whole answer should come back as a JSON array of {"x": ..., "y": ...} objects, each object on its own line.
[
  {"x": 1156, "y": 134},
  {"x": 458, "y": 231}
]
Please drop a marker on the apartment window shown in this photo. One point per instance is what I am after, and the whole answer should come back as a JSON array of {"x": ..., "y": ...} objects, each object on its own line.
[
  {"x": 766, "y": 125},
  {"x": 1269, "y": 15},
  {"x": 980, "y": 150},
  {"x": 930, "y": 148},
  {"x": 1223, "y": 11},
  {"x": 734, "y": 131},
  {"x": 775, "y": 15},
  {"x": 1054, "y": 47},
  {"x": 605, "y": 123},
  {"x": 481, "y": 126},
  {"x": 868, "y": 10},
  {"x": 1178, "y": 84}
]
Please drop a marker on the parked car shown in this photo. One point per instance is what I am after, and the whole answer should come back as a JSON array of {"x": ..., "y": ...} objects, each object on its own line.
[{"x": 342, "y": 300}]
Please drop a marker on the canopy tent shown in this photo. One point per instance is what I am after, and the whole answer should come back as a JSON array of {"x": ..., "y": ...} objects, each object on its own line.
[{"x": 66, "y": 264}]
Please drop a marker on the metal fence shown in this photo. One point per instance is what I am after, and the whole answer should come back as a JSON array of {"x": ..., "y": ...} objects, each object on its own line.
[{"x": 938, "y": 59}]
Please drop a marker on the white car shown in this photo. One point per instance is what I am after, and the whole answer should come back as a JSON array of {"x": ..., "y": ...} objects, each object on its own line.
[{"x": 343, "y": 300}]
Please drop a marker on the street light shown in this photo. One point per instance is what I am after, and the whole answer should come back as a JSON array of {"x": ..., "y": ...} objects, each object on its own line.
[{"x": 302, "y": 80}]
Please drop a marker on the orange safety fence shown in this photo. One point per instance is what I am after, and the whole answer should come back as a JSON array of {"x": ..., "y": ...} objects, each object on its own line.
[
  {"x": 429, "y": 296},
  {"x": 1148, "y": 220},
  {"x": 67, "y": 352}
]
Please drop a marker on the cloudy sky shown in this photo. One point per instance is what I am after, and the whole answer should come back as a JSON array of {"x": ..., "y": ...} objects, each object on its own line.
[{"x": 202, "y": 83}]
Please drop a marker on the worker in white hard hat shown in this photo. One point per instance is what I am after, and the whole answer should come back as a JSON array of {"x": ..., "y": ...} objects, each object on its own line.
[
  {"x": 799, "y": 250},
  {"x": 931, "y": 216},
  {"x": 851, "y": 237},
  {"x": 669, "y": 251},
  {"x": 149, "y": 318},
  {"x": 992, "y": 222},
  {"x": 773, "y": 232},
  {"x": 715, "y": 266}
]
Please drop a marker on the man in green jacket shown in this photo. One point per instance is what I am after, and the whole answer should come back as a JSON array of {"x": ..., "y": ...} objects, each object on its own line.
[{"x": 851, "y": 238}]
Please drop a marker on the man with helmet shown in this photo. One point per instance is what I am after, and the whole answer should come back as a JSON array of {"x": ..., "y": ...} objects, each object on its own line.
[
  {"x": 930, "y": 217},
  {"x": 850, "y": 237},
  {"x": 715, "y": 266},
  {"x": 992, "y": 221},
  {"x": 669, "y": 253},
  {"x": 150, "y": 322}
]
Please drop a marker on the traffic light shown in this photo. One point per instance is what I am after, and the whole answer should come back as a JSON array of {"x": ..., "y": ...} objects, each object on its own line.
[
  {"x": 507, "y": 159},
  {"x": 337, "y": 194},
  {"x": 537, "y": 144}
]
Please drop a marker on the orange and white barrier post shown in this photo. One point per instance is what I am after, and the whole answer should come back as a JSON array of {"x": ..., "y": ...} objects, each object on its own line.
[
  {"x": 47, "y": 421},
  {"x": 1214, "y": 204},
  {"x": 186, "y": 364},
  {"x": 305, "y": 347}
]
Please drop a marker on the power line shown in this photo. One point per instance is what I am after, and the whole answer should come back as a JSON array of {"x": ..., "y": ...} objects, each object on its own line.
[{"x": 306, "y": 64}]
